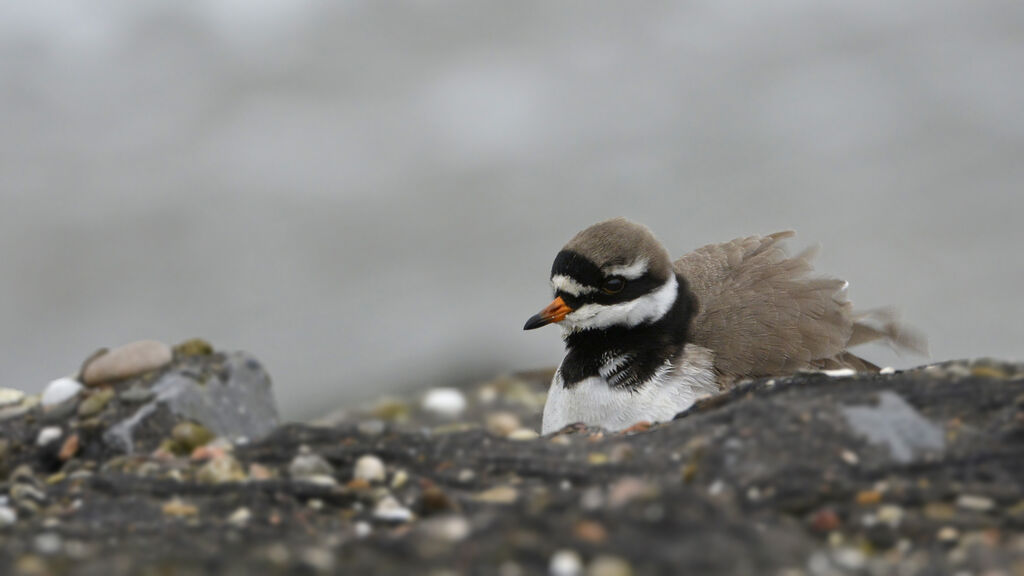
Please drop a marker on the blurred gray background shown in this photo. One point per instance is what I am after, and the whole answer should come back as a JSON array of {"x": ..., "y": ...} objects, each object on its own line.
[{"x": 368, "y": 195}]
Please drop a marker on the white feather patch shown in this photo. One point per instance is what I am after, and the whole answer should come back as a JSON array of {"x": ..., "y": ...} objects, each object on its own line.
[
  {"x": 630, "y": 272},
  {"x": 647, "y": 308},
  {"x": 570, "y": 285}
]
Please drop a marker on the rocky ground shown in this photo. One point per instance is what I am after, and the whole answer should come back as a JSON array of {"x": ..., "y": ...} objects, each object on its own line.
[{"x": 156, "y": 460}]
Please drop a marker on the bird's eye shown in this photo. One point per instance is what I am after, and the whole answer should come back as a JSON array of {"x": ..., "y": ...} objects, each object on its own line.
[{"x": 613, "y": 285}]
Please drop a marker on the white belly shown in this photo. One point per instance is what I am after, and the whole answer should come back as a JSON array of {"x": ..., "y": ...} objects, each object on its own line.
[{"x": 595, "y": 403}]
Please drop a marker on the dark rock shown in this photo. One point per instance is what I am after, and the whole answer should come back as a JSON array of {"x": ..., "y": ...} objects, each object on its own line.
[{"x": 774, "y": 477}]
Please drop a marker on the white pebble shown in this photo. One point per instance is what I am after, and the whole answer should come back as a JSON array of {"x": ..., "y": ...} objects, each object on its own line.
[
  {"x": 976, "y": 503},
  {"x": 48, "y": 435},
  {"x": 523, "y": 434},
  {"x": 10, "y": 396},
  {"x": 445, "y": 402},
  {"x": 8, "y": 516},
  {"x": 240, "y": 517},
  {"x": 60, "y": 390},
  {"x": 48, "y": 543},
  {"x": 363, "y": 529},
  {"x": 390, "y": 510},
  {"x": 565, "y": 563},
  {"x": 369, "y": 468}
]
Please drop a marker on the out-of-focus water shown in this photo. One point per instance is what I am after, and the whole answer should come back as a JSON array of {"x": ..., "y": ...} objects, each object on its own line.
[{"x": 368, "y": 195}]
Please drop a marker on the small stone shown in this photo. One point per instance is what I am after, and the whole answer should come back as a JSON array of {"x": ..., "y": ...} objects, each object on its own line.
[
  {"x": 444, "y": 402},
  {"x": 869, "y": 497},
  {"x": 220, "y": 470},
  {"x": 126, "y": 361},
  {"x": 363, "y": 529},
  {"x": 371, "y": 428},
  {"x": 389, "y": 510},
  {"x": 48, "y": 435},
  {"x": 10, "y": 397},
  {"x": 319, "y": 559},
  {"x": 136, "y": 394},
  {"x": 48, "y": 543},
  {"x": 259, "y": 472},
  {"x": 498, "y": 495},
  {"x": 466, "y": 475},
  {"x": 597, "y": 458},
  {"x": 947, "y": 534},
  {"x": 523, "y": 434},
  {"x": 825, "y": 520},
  {"x": 975, "y": 503},
  {"x": 188, "y": 436},
  {"x": 621, "y": 453},
  {"x": 59, "y": 390},
  {"x": 448, "y": 528},
  {"x": 69, "y": 448},
  {"x": 391, "y": 410},
  {"x": 324, "y": 480},
  {"x": 240, "y": 517},
  {"x": 502, "y": 423},
  {"x": 193, "y": 347},
  {"x": 8, "y": 516},
  {"x": 179, "y": 509},
  {"x": 307, "y": 463},
  {"x": 399, "y": 479},
  {"x": 590, "y": 531},
  {"x": 891, "y": 515},
  {"x": 629, "y": 489},
  {"x": 95, "y": 402},
  {"x": 565, "y": 563},
  {"x": 849, "y": 457},
  {"x": 369, "y": 468},
  {"x": 606, "y": 565},
  {"x": 939, "y": 511}
]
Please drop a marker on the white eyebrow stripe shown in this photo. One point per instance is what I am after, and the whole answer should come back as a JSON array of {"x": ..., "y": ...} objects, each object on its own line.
[
  {"x": 570, "y": 285},
  {"x": 630, "y": 272}
]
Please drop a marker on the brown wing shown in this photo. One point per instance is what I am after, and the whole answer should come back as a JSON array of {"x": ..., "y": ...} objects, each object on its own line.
[{"x": 762, "y": 313}]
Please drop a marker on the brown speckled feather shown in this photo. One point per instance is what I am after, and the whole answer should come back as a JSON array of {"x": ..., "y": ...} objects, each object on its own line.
[{"x": 763, "y": 313}]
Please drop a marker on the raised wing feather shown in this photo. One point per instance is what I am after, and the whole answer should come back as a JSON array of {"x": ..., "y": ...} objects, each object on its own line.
[{"x": 763, "y": 313}]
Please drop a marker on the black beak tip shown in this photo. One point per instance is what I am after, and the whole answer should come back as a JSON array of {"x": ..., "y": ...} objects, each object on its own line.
[{"x": 536, "y": 321}]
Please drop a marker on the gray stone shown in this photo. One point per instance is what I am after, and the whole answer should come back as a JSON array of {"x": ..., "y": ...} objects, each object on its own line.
[
  {"x": 234, "y": 400},
  {"x": 896, "y": 424}
]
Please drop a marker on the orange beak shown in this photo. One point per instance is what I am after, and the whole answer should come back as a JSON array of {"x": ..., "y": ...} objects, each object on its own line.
[{"x": 554, "y": 313}]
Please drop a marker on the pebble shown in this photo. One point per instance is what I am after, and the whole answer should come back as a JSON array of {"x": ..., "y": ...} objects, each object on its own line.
[
  {"x": 391, "y": 410},
  {"x": 389, "y": 509},
  {"x": 10, "y": 397},
  {"x": 498, "y": 495},
  {"x": 606, "y": 565},
  {"x": 179, "y": 509},
  {"x": 363, "y": 529},
  {"x": 69, "y": 448},
  {"x": 975, "y": 503},
  {"x": 523, "y": 434},
  {"x": 399, "y": 479},
  {"x": 240, "y": 517},
  {"x": 307, "y": 464},
  {"x": 48, "y": 435},
  {"x": 220, "y": 470},
  {"x": 369, "y": 468},
  {"x": 448, "y": 528},
  {"x": 371, "y": 427},
  {"x": 891, "y": 515},
  {"x": 126, "y": 361},
  {"x": 188, "y": 436},
  {"x": 136, "y": 394},
  {"x": 444, "y": 402},
  {"x": 565, "y": 563},
  {"x": 60, "y": 390},
  {"x": 193, "y": 347},
  {"x": 48, "y": 543},
  {"x": 95, "y": 402},
  {"x": 319, "y": 559},
  {"x": 502, "y": 423},
  {"x": 8, "y": 516},
  {"x": 948, "y": 534}
]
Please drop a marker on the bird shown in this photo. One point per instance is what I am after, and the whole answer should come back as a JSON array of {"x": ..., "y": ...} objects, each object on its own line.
[{"x": 646, "y": 337}]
